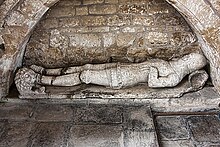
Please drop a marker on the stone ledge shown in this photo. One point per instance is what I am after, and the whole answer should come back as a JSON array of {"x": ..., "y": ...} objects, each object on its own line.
[
  {"x": 140, "y": 91},
  {"x": 203, "y": 100}
]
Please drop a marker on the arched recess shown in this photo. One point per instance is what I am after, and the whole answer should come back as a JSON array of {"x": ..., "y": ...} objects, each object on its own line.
[{"x": 22, "y": 18}]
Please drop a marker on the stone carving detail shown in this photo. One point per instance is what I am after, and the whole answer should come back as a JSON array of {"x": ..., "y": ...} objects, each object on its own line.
[
  {"x": 26, "y": 81},
  {"x": 156, "y": 73}
]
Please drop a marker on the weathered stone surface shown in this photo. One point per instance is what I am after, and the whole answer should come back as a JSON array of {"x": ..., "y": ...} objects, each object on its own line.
[
  {"x": 125, "y": 40},
  {"x": 93, "y": 21},
  {"x": 102, "y": 9},
  {"x": 179, "y": 143},
  {"x": 2, "y": 127},
  {"x": 205, "y": 128},
  {"x": 97, "y": 115},
  {"x": 111, "y": 1},
  {"x": 138, "y": 118},
  {"x": 139, "y": 127},
  {"x": 82, "y": 10},
  {"x": 157, "y": 39},
  {"x": 133, "y": 9},
  {"x": 126, "y": 24},
  {"x": 16, "y": 134},
  {"x": 49, "y": 23},
  {"x": 85, "y": 40},
  {"x": 49, "y": 134},
  {"x": 68, "y": 22},
  {"x": 47, "y": 113},
  {"x": 143, "y": 20},
  {"x": 58, "y": 40},
  {"x": 172, "y": 128},
  {"x": 16, "y": 112},
  {"x": 140, "y": 139},
  {"x": 96, "y": 135},
  {"x": 109, "y": 39},
  {"x": 68, "y": 3},
  {"x": 62, "y": 12},
  {"x": 87, "y": 2}
]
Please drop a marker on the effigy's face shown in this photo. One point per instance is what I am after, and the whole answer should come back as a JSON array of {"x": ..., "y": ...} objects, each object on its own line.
[{"x": 28, "y": 76}]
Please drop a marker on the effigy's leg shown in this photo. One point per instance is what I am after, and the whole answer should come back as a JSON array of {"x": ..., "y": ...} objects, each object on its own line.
[{"x": 63, "y": 80}]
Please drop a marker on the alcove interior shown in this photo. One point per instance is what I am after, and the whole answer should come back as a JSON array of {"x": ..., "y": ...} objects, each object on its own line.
[{"x": 75, "y": 32}]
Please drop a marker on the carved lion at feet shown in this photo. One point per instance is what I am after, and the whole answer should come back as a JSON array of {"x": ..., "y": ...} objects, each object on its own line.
[{"x": 27, "y": 81}]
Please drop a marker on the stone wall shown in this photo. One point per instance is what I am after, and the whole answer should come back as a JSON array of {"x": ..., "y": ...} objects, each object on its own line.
[{"x": 77, "y": 32}]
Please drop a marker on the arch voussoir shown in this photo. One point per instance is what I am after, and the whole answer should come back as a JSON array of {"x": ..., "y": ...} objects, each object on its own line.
[{"x": 18, "y": 23}]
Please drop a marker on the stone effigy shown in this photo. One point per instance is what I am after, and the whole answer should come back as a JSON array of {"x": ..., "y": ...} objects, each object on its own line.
[{"x": 156, "y": 73}]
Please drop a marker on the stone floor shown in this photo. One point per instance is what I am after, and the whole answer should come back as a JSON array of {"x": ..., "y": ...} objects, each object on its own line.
[
  {"x": 35, "y": 124},
  {"x": 189, "y": 131}
]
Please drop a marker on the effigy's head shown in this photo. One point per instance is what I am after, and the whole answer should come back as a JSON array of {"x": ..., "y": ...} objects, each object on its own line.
[
  {"x": 194, "y": 61},
  {"x": 25, "y": 80}
]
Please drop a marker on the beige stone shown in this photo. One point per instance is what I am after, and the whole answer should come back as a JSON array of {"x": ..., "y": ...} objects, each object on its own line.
[
  {"x": 133, "y": 29},
  {"x": 62, "y": 12},
  {"x": 143, "y": 20},
  {"x": 134, "y": 1},
  {"x": 180, "y": 143},
  {"x": 125, "y": 39},
  {"x": 157, "y": 38},
  {"x": 58, "y": 40},
  {"x": 68, "y": 3},
  {"x": 88, "y": 2},
  {"x": 109, "y": 39},
  {"x": 85, "y": 40},
  {"x": 160, "y": 9},
  {"x": 82, "y": 10},
  {"x": 133, "y": 9},
  {"x": 117, "y": 20},
  {"x": 111, "y": 1},
  {"x": 68, "y": 22},
  {"x": 93, "y": 20},
  {"x": 99, "y": 29},
  {"x": 102, "y": 9},
  {"x": 49, "y": 23}
]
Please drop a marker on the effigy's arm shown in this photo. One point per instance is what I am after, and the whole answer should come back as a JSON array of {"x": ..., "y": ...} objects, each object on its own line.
[{"x": 154, "y": 81}]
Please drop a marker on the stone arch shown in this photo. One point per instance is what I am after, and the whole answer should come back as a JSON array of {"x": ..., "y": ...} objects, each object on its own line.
[
  {"x": 23, "y": 15},
  {"x": 203, "y": 17}
]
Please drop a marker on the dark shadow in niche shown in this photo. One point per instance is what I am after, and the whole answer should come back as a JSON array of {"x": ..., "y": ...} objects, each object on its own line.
[
  {"x": 1, "y": 1},
  {"x": 13, "y": 92},
  {"x": 2, "y": 47}
]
